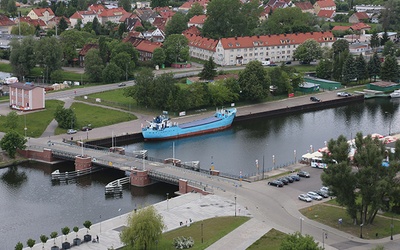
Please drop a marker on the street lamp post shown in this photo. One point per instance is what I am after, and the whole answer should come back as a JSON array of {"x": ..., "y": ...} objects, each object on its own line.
[
  {"x": 390, "y": 121},
  {"x": 361, "y": 226},
  {"x": 391, "y": 229},
  {"x": 167, "y": 201},
  {"x": 235, "y": 205},
  {"x": 273, "y": 160},
  {"x": 301, "y": 225},
  {"x": 294, "y": 153},
  {"x": 25, "y": 128},
  {"x": 202, "y": 232}
]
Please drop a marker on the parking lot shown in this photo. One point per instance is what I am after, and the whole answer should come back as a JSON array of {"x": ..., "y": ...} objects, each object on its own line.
[{"x": 303, "y": 186}]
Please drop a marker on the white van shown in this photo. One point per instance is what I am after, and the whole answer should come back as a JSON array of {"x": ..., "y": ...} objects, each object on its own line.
[{"x": 265, "y": 63}]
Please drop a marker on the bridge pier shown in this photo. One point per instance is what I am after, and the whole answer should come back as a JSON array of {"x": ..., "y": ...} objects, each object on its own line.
[
  {"x": 83, "y": 162},
  {"x": 140, "y": 178},
  {"x": 185, "y": 188}
]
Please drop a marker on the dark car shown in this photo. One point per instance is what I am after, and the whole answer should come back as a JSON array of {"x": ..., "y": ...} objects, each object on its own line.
[
  {"x": 288, "y": 62},
  {"x": 275, "y": 183},
  {"x": 295, "y": 177},
  {"x": 303, "y": 174},
  {"x": 284, "y": 180},
  {"x": 314, "y": 99},
  {"x": 273, "y": 65},
  {"x": 122, "y": 84},
  {"x": 290, "y": 179},
  {"x": 87, "y": 128},
  {"x": 322, "y": 193}
]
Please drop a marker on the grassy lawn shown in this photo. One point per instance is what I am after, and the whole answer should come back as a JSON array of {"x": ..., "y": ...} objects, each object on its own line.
[
  {"x": 97, "y": 116},
  {"x": 36, "y": 122},
  {"x": 269, "y": 241},
  {"x": 305, "y": 68},
  {"x": 329, "y": 216},
  {"x": 213, "y": 230}
]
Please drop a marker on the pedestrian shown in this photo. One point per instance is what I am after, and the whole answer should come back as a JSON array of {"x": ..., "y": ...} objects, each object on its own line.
[{"x": 97, "y": 238}]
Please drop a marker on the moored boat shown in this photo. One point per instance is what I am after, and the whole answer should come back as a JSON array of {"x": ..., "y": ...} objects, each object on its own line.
[
  {"x": 162, "y": 128},
  {"x": 395, "y": 94}
]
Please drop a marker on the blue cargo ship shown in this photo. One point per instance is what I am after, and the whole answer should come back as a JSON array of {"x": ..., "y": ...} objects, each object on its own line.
[{"x": 161, "y": 128}]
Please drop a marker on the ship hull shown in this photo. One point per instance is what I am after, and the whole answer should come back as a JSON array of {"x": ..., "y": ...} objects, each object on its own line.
[{"x": 204, "y": 126}]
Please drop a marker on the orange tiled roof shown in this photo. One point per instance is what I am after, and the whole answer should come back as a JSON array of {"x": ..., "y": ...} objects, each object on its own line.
[
  {"x": 275, "y": 40},
  {"x": 198, "y": 19},
  {"x": 113, "y": 12},
  {"x": 360, "y": 26},
  {"x": 326, "y": 13},
  {"x": 187, "y": 5},
  {"x": 148, "y": 46},
  {"x": 39, "y": 11},
  {"x": 341, "y": 28},
  {"x": 57, "y": 19},
  {"x": 33, "y": 22},
  {"x": 304, "y": 5},
  {"x": 87, "y": 47},
  {"x": 98, "y": 8},
  {"x": 80, "y": 14},
  {"x": 5, "y": 21},
  {"x": 326, "y": 3},
  {"x": 201, "y": 42},
  {"x": 192, "y": 30},
  {"x": 361, "y": 15}
]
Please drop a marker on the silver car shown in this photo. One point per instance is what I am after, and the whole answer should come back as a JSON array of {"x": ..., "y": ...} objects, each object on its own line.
[
  {"x": 314, "y": 196},
  {"x": 304, "y": 197}
]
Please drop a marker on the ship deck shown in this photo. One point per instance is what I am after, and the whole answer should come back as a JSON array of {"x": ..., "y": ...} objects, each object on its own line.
[{"x": 200, "y": 122}]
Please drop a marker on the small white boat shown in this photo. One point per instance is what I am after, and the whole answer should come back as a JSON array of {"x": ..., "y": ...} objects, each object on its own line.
[{"x": 395, "y": 94}]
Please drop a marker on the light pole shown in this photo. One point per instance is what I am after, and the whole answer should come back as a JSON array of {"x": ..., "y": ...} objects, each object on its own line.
[
  {"x": 273, "y": 160},
  {"x": 202, "y": 232},
  {"x": 294, "y": 153},
  {"x": 391, "y": 229},
  {"x": 100, "y": 223},
  {"x": 301, "y": 225},
  {"x": 167, "y": 201},
  {"x": 361, "y": 226},
  {"x": 390, "y": 121},
  {"x": 258, "y": 172},
  {"x": 25, "y": 128}
]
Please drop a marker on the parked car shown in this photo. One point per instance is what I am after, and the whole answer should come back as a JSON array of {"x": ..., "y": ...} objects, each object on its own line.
[
  {"x": 322, "y": 193},
  {"x": 275, "y": 183},
  {"x": 284, "y": 180},
  {"x": 304, "y": 197},
  {"x": 290, "y": 179},
  {"x": 273, "y": 65},
  {"x": 303, "y": 174},
  {"x": 314, "y": 196},
  {"x": 325, "y": 189},
  {"x": 314, "y": 99},
  {"x": 71, "y": 131},
  {"x": 295, "y": 177},
  {"x": 288, "y": 62},
  {"x": 87, "y": 128},
  {"x": 122, "y": 84},
  {"x": 343, "y": 94}
]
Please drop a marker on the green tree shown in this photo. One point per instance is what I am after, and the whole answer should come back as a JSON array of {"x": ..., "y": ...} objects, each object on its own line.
[
  {"x": 349, "y": 70},
  {"x": 324, "y": 69},
  {"x": 62, "y": 25},
  {"x": 297, "y": 241},
  {"x": 159, "y": 3},
  {"x": 389, "y": 48},
  {"x": 374, "y": 66},
  {"x": 281, "y": 80},
  {"x": 390, "y": 16},
  {"x": 71, "y": 40},
  {"x": 53, "y": 235},
  {"x": 124, "y": 63},
  {"x": 49, "y": 54},
  {"x": 220, "y": 93},
  {"x": 126, "y": 4},
  {"x": 12, "y": 7},
  {"x": 254, "y": 82},
  {"x": 384, "y": 38},
  {"x": 144, "y": 229},
  {"x": 209, "y": 70},
  {"x": 94, "y": 65},
  {"x": 337, "y": 67},
  {"x": 66, "y": 118},
  {"x": 195, "y": 10},
  {"x": 19, "y": 246},
  {"x": 23, "y": 29},
  {"x": 225, "y": 19},
  {"x": 340, "y": 46},
  {"x": 43, "y": 239},
  {"x": 3, "y": 4},
  {"x": 162, "y": 88},
  {"x": 143, "y": 87},
  {"x": 96, "y": 26},
  {"x": 308, "y": 51},
  {"x": 176, "y": 25},
  {"x": 65, "y": 231},
  {"x": 390, "y": 69},
  {"x": 112, "y": 73},
  {"x": 361, "y": 68},
  {"x": 286, "y": 20},
  {"x": 176, "y": 48},
  {"x": 118, "y": 47},
  {"x": 158, "y": 56},
  {"x": 22, "y": 57},
  {"x": 30, "y": 243},
  {"x": 375, "y": 41},
  {"x": 12, "y": 141},
  {"x": 12, "y": 120},
  {"x": 104, "y": 51}
]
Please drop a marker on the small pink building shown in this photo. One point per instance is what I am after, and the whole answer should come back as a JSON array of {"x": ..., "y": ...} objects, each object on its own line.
[{"x": 26, "y": 97}]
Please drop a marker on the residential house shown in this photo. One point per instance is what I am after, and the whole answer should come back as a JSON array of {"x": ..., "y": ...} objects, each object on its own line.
[
  {"x": 265, "y": 13},
  {"x": 6, "y": 24},
  {"x": 201, "y": 47},
  {"x": 369, "y": 8},
  {"x": 84, "y": 51},
  {"x": 186, "y": 6},
  {"x": 134, "y": 38},
  {"x": 327, "y": 15},
  {"x": 324, "y": 5},
  {"x": 192, "y": 30},
  {"x": 132, "y": 22},
  {"x": 97, "y": 8},
  {"x": 359, "y": 17},
  {"x": 111, "y": 15},
  {"x": 277, "y": 48},
  {"x": 197, "y": 21},
  {"x": 359, "y": 48},
  {"x": 279, "y": 3},
  {"x": 32, "y": 22},
  {"x": 306, "y": 7},
  {"x": 145, "y": 4},
  {"x": 146, "y": 15},
  {"x": 374, "y": 18},
  {"x": 56, "y": 20},
  {"x": 360, "y": 27},
  {"x": 146, "y": 49},
  {"x": 160, "y": 23},
  {"x": 340, "y": 28},
  {"x": 26, "y": 97},
  {"x": 86, "y": 16},
  {"x": 156, "y": 35},
  {"x": 44, "y": 14}
]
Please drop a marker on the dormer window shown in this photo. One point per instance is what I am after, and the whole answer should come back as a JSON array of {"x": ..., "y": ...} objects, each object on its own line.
[
  {"x": 237, "y": 44},
  {"x": 230, "y": 45}
]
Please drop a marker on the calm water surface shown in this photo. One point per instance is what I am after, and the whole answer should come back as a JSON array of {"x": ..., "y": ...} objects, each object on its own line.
[{"x": 30, "y": 205}]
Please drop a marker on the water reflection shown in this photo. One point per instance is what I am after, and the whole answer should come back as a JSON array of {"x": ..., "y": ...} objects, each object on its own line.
[{"x": 13, "y": 177}]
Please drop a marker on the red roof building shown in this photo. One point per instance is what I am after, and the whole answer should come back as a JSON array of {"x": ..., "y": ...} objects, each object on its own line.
[
  {"x": 6, "y": 24},
  {"x": 98, "y": 8},
  {"x": 146, "y": 49},
  {"x": 324, "y": 5},
  {"x": 44, "y": 14},
  {"x": 201, "y": 47},
  {"x": 326, "y": 15},
  {"x": 197, "y": 21},
  {"x": 358, "y": 17},
  {"x": 360, "y": 27},
  {"x": 186, "y": 6},
  {"x": 192, "y": 30},
  {"x": 84, "y": 51},
  {"x": 31, "y": 22},
  {"x": 306, "y": 7}
]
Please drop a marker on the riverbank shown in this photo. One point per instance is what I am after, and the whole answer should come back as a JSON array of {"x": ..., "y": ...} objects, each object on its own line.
[{"x": 6, "y": 161}]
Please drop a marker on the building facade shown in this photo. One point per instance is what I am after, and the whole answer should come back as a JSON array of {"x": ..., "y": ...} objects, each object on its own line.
[{"x": 26, "y": 97}]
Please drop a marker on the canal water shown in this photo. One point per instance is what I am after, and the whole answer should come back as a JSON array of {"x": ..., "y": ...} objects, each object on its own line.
[{"x": 31, "y": 205}]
